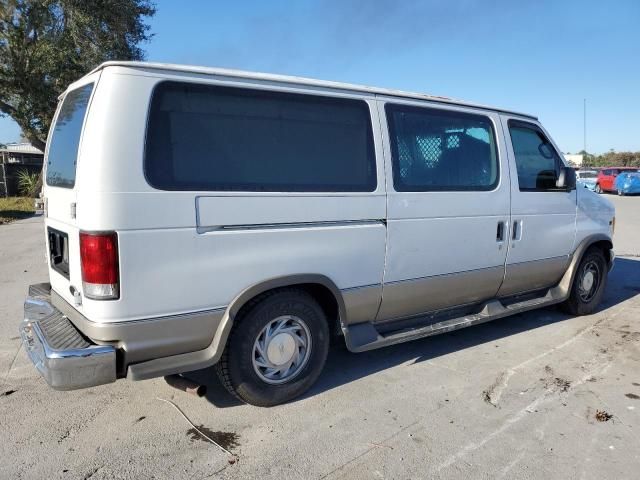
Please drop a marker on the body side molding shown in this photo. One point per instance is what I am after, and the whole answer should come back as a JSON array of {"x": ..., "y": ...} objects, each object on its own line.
[
  {"x": 210, "y": 355},
  {"x": 363, "y": 335}
]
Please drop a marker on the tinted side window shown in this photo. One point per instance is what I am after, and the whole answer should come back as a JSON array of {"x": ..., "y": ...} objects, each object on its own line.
[
  {"x": 202, "y": 137},
  {"x": 606, "y": 172},
  {"x": 536, "y": 159},
  {"x": 65, "y": 138},
  {"x": 440, "y": 150}
]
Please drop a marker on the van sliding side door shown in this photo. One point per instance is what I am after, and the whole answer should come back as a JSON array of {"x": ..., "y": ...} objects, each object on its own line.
[{"x": 448, "y": 206}]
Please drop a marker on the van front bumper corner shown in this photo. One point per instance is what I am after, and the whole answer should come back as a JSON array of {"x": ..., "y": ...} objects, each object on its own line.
[{"x": 64, "y": 357}]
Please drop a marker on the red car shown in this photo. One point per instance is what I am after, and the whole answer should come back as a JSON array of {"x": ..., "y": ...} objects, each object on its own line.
[{"x": 607, "y": 178}]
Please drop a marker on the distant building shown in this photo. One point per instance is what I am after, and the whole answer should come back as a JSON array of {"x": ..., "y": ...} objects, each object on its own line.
[
  {"x": 574, "y": 160},
  {"x": 22, "y": 153},
  {"x": 14, "y": 158}
]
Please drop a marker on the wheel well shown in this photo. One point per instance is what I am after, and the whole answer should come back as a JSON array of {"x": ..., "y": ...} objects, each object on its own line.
[
  {"x": 327, "y": 302},
  {"x": 605, "y": 247},
  {"x": 322, "y": 294}
]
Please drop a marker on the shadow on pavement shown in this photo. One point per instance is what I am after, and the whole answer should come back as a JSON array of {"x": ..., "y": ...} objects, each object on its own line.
[
  {"x": 344, "y": 367},
  {"x": 7, "y": 217}
]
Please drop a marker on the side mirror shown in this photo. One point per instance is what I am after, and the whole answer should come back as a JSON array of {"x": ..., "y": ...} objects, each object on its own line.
[
  {"x": 546, "y": 150},
  {"x": 566, "y": 179}
]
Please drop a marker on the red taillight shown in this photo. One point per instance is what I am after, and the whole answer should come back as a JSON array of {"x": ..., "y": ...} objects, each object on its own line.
[{"x": 99, "y": 260}]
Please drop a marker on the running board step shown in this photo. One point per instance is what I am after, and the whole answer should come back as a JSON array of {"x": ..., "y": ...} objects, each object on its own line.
[
  {"x": 365, "y": 336},
  {"x": 531, "y": 303}
]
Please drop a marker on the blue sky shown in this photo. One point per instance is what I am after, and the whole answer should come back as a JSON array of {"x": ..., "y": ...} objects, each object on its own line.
[{"x": 539, "y": 57}]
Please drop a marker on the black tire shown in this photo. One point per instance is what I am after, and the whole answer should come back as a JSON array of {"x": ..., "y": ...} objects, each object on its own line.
[
  {"x": 236, "y": 367},
  {"x": 581, "y": 302},
  {"x": 620, "y": 193},
  {"x": 598, "y": 188}
]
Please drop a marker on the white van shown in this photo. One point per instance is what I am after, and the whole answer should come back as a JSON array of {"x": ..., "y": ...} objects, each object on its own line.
[{"x": 200, "y": 216}]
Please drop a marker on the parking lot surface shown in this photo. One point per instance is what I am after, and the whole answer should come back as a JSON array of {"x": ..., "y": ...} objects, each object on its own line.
[{"x": 538, "y": 395}]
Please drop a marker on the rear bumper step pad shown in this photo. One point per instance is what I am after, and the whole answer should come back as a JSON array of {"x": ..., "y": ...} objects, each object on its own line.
[{"x": 64, "y": 357}]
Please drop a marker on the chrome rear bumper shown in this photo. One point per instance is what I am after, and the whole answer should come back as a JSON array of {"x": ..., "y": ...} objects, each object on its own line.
[{"x": 64, "y": 357}]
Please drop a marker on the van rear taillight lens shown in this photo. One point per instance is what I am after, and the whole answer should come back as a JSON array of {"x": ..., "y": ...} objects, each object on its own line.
[{"x": 99, "y": 260}]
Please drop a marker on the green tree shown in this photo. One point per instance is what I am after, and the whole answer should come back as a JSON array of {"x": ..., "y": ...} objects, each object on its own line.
[
  {"x": 588, "y": 160},
  {"x": 47, "y": 44}
]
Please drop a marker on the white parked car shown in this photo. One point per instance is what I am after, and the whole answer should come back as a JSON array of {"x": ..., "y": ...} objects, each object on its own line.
[
  {"x": 200, "y": 216},
  {"x": 587, "y": 179}
]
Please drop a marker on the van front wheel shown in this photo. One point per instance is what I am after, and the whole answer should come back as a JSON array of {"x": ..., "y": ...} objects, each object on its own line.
[
  {"x": 588, "y": 284},
  {"x": 277, "y": 348}
]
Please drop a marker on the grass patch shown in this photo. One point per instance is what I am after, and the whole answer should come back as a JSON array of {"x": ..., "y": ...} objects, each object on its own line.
[{"x": 15, "y": 208}]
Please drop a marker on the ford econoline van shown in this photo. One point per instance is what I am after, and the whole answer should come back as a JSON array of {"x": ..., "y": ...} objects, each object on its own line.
[{"x": 198, "y": 217}]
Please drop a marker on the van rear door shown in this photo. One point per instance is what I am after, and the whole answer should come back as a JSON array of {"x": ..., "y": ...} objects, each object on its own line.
[{"x": 60, "y": 187}]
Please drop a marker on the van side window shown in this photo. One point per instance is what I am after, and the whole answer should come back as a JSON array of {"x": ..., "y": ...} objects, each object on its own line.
[
  {"x": 537, "y": 161},
  {"x": 204, "y": 137},
  {"x": 65, "y": 138},
  {"x": 441, "y": 150},
  {"x": 606, "y": 172}
]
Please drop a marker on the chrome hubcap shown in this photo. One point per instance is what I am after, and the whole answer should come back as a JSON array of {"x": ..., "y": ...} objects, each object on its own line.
[
  {"x": 282, "y": 349},
  {"x": 589, "y": 281}
]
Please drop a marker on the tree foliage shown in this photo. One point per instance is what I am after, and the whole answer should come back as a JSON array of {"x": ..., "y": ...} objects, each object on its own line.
[
  {"x": 28, "y": 183},
  {"x": 612, "y": 159},
  {"x": 47, "y": 44}
]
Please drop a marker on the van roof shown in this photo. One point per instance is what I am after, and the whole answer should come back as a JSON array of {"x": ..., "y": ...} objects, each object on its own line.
[{"x": 301, "y": 81}]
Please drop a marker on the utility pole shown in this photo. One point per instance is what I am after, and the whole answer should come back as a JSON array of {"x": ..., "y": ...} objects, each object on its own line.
[{"x": 584, "y": 109}]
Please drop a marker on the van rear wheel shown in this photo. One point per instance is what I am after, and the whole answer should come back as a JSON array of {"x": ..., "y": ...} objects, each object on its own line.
[
  {"x": 276, "y": 349},
  {"x": 598, "y": 188},
  {"x": 588, "y": 284}
]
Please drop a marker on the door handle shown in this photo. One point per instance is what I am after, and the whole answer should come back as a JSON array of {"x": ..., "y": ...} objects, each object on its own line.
[
  {"x": 500, "y": 232},
  {"x": 516, "y": 230}
]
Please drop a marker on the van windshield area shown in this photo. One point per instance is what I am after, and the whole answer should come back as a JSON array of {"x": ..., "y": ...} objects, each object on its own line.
[{"x": 65, "y": 138}]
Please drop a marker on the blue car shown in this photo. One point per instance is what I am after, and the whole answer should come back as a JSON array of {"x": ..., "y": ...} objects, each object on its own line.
[
  {"x": 628, "y": 183},
  {"x": 587, "y": 179}
]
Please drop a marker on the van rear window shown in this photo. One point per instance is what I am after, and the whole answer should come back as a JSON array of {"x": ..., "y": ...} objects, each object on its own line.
[
  {"x": 202, "y": 137},
  {"x": 65, "y": 138}
]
